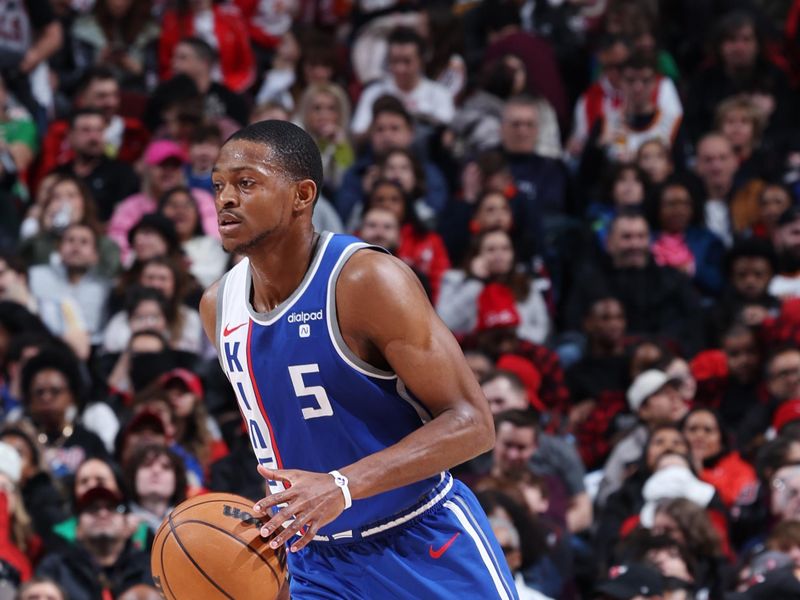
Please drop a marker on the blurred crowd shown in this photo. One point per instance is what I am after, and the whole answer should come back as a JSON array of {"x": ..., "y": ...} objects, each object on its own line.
[{"x": 600, "y": 197}]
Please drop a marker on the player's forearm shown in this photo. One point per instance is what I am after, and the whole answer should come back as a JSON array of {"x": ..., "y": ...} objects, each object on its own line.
[{"x": 454, "y": 436}]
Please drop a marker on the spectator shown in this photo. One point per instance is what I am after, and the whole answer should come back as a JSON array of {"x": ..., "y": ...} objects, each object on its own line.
[
  {"x": 40, "y": 588},
  {"x": 655, "y": 399},
  {"x": 740, "y": 66},
  {"x": 728, "y": 207},
  {"x": 122, "y": 36},
  {"x": 521, "y": 448},
  {"x": 539, "y": 180},
  {"x": 204, "y": 148},
  {"x": 631, "y": 582},
  {"x": 39, "y": 494},
  {"x": 207, "y": 259},
  {"x": 657, "y": 300},
  {"x": 75, "y": 277},
  {"x": 53, "y": 399},
  {"x": 162, "y": 171},
  {"x": 156, "y": 477},
  {"x": 774, "y": 200},
  {"x": 225, "y": 31},
  {"x": 508, "y": 538},
  {"x": 103, "y": 562},
  {"x": 195, "y": 430},
  {"x": 749, "y": 268},
  {"x": 492, "y": 293},
  {"x": 124, "y": 137},
  {"x": 108, "y": 179},
  {"x": 324, "y": 112},
  {"x": 25, "y": 71},
  {"x": 67, "y": 201},
  {"x": 654, "y": 159},
  {"x": 397, "y": 190},
  {"x": 619, "y": 512},
  {"x": 682, "y": 242},
  {"x": 695, "y": 530},
  {"x": 505, "y": 37},
  {"x": 722, "y": 467},
  {"x": 391, "y": 127},
  {"x": 429, "y": 102},
  {"x": 618, "y": 135},
  {"x": 61, "y": 316},
  {"x": 17, "y": 528},
  {"x": 739, "y": 120},
  {"x": 786, "y": 239},
  {"x": 92, "y": 473},
  {"x": 195, "y": 57}
]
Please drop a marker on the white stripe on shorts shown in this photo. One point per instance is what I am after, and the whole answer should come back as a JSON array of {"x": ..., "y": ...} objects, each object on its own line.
[{"x": 482, "y": 550}]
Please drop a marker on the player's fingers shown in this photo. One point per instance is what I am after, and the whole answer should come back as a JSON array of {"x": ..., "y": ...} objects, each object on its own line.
[
  {"x": 263, "y": 505},
  {"x": 278, "y": 519},
  {"x": 275, "y": 474},
  {"x": 306, "y": 537},
  {"x": 290, "y": 531}
]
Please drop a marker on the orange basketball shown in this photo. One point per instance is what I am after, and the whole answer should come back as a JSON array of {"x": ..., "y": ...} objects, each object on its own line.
[{"x": 211, "y": 547}]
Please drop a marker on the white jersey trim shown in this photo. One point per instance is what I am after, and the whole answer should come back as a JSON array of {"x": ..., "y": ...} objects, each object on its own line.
[{"x": 271, "y": 317}]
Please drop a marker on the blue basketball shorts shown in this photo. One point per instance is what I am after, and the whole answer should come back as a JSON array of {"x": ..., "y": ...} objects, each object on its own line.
[{"x": 446, "y": 551}]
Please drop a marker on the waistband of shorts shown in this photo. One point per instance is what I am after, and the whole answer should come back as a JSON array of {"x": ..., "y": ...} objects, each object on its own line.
[{"x": 404, "y": 518}]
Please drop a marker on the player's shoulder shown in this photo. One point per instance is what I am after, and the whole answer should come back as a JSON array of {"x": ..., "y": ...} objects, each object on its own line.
[
  {"x": 375, "y": 280},
  {"x": 369, "y": 266}
]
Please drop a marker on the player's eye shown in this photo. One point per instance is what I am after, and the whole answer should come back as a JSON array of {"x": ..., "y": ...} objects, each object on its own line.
[
  {"x": 247, "y": 183},
  {"x": 217, "y": 186}
]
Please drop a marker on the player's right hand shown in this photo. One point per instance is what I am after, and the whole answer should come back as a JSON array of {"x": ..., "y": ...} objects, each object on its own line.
[{"x": 312, "y": 500}]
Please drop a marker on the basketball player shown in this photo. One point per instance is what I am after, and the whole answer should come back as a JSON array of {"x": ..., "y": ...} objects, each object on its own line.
[{"x": 356, "y": 396}]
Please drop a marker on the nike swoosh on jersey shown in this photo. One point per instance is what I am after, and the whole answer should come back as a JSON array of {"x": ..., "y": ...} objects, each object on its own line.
[
  {"x": 226, "y": 332},
  {"x": 438, "y": 553}
]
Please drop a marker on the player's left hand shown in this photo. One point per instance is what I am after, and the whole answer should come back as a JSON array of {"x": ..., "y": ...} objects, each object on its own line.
[{"x": 312, "y": 499}]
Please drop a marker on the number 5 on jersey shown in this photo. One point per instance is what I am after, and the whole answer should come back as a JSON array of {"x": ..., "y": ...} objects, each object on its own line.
[{"x": 323, "y": 408}]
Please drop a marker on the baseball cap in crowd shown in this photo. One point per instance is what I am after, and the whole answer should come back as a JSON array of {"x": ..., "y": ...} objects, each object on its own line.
[
  {"x": 146, "y": 419},
  {"x": 629, "y": 581},
  {"x": 186, "y": 377},
  {"x": 786, "y": 413},
  {"x": 497, "y": 308},
  {"x": 98, "y": 494},
  {"x": 10, "y": 462},
  {"x": 161, "y": 150},
  {"x": 645, "y": 385}
]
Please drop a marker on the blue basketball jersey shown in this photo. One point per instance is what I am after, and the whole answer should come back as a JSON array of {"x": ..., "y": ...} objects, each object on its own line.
[{"x": 308, "y": 401}]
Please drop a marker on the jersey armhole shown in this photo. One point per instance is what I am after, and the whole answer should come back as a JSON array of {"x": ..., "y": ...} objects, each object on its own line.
[
  {"x": 338, "y": 341},
  {"x": 218, "y": 324}
]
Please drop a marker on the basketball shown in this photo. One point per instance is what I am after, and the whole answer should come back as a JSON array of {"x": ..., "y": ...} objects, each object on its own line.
[{"x": 211, "y": 547}]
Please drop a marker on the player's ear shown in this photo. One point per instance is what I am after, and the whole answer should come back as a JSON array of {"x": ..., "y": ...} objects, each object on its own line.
[{"x": 305, "y": 195}]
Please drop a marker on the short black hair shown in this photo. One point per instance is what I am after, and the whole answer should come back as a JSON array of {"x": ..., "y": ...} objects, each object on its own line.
[
  {"x": 407, "y": 35},
  {"x": 96, "y": 73},
  {"x": 518, "y": 417},
  {"x": 295, "y": 150},
  {"x": 202, "y": 48},
  {"x": 82, "y": 112},
  {"x": 391, "y": 105},
  {"x": 751, "y": 248},
  {"x": 638, "y": 61}
]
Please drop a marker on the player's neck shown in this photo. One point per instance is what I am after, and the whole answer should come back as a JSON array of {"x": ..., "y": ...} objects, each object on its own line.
[{"x": 278, "y": 269}]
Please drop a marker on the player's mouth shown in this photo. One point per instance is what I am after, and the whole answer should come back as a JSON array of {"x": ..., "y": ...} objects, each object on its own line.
[{"x": 228, "y": 222}]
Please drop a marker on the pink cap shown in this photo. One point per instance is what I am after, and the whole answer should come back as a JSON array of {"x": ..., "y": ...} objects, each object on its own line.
[{"x": 159, "y": 151}]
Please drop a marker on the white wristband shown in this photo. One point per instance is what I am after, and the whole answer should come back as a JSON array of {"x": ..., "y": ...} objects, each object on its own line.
[{"x": 343, "y": 484}]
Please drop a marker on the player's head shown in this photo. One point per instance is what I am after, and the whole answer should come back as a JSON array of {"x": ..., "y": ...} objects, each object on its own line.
[{"x": 267, "y": 178}]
